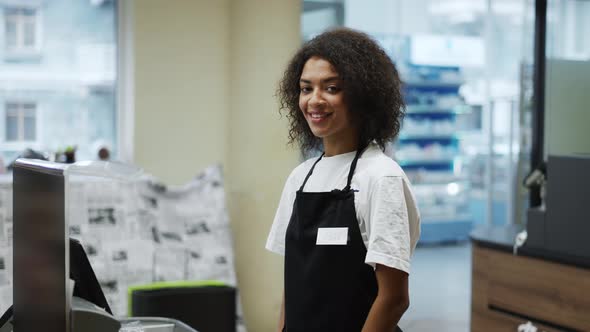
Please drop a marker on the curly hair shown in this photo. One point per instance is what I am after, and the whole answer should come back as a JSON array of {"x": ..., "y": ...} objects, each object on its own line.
[{"x": 371, "y": 86}]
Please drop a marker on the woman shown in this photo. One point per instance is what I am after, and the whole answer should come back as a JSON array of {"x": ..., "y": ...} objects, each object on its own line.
[{"x": 347, "y": 222}]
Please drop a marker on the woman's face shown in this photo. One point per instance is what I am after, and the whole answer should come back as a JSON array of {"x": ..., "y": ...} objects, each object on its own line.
[{"x": 321, "y": 99}]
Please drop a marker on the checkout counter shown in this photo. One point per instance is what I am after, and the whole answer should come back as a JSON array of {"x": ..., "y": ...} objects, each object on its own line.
[
  {"x": 87, "y": 317},
  {"x": 54, "y": 286},
  {"x": 546, "y": 279}
]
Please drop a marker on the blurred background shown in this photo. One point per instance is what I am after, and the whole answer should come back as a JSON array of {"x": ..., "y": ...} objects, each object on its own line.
[{"x": 176, "y": 86}]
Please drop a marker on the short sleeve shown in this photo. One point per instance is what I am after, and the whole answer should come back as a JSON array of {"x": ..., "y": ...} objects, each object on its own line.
[
  {"x": 276, "y": 238},
  {"x": 388, "y": 225}
]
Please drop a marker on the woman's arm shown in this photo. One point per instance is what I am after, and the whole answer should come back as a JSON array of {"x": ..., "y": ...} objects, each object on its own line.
[
  {"x": 282, "y": 315},
  {"x": 391, "y": 302}
]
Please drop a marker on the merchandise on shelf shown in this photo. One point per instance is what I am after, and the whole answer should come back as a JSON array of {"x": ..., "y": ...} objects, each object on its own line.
[{"x": 428, "y": 149}]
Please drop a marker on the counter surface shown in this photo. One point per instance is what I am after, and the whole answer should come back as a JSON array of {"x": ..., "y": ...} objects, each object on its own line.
[{"x": 502, "y": 238}]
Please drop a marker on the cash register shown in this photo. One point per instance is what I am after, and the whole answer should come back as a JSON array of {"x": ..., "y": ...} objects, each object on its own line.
[
  {"x": 537, "y": 277},
  {"x": 559, "y": 228},
  {"x": 54, "y": 286}
]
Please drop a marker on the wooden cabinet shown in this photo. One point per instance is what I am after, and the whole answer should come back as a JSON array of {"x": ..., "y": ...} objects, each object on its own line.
[{"x": 509, "y": 290}]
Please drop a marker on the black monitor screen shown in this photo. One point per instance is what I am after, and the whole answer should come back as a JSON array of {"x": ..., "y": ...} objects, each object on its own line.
[{"x": 86, "y": 286}]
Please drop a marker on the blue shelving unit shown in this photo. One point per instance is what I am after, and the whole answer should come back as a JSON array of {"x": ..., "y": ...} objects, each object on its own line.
[{"x": 428, "y": 148}]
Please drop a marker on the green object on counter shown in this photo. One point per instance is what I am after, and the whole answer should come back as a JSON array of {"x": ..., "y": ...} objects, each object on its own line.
[{"x": 170, "y": 284}]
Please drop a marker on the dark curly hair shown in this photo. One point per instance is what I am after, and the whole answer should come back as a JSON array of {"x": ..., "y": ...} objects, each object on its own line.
[{"x": 371, "y": 86}]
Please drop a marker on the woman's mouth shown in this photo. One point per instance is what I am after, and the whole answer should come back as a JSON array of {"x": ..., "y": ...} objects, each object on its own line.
[{"x": 317, "y": 117}]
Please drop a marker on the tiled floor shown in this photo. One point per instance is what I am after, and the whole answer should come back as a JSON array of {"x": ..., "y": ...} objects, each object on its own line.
[{"x": 440, "y": 289}]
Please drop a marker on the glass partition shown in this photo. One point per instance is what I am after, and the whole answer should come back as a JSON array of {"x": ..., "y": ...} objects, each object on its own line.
[{"x": 567, "y": 78}]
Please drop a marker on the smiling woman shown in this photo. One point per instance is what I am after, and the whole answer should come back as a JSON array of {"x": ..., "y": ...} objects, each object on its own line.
[
  {"x": 322, "y": 102},
  {"x": 347, "y": 251},
  {"x": 366, "y": 77}
]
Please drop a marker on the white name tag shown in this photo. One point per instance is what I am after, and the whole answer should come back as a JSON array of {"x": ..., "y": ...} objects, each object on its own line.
[{"x": 332, "y": 236}]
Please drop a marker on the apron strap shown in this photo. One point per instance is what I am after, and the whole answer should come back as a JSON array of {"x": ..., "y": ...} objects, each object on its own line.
[
  {"x": 350, "y": 172},
  {"x": 311, "y": 171},
  {"x": 353, "y": 167}
]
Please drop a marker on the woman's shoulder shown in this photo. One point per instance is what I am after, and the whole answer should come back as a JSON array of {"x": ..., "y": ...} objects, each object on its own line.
[{"x": 376, "y": 164}]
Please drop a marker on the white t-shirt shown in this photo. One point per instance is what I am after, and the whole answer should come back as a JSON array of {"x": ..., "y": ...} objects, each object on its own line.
[{"x": 385, "y": 205}]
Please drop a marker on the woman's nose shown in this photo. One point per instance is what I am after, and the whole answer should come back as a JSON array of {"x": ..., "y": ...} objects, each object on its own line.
[{"x": 316, "y": 99}]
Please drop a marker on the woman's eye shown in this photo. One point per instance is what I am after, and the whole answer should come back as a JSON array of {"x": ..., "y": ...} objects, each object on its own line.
[
  {"x": 305, "y": 89},
  {"x": 333, "y": 89}
]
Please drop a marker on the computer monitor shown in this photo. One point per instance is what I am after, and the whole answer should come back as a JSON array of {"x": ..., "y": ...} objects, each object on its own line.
[
  {"x": 86, "y": 286},
  {"x": 41, "y": 249}
]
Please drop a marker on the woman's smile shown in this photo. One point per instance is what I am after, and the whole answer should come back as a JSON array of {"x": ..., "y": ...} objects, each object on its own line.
[{"x": 322, "y": 102}]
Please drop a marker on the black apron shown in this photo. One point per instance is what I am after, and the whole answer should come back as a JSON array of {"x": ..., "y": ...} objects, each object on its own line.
[{"x": 327, "y": 287}]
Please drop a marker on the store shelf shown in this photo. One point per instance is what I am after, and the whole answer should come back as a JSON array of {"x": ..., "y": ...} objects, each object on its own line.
[
  {"x": 431, "y": 131},
  {"x": 432, "y": 83},
  {"x": 426, "y": 137},
  {"x": 430, "y": 183},
  {"x": 442, "y": 220},
  {"x": 431, "y": 110},
  {"x": 426, "y": 162}
]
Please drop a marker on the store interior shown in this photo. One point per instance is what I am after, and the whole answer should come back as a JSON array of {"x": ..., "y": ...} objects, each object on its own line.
[{"x": 165, "y": 156}]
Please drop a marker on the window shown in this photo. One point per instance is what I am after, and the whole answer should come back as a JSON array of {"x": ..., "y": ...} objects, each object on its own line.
[
  {"x": 58, "y": 77},
  {"x": 21, "y": 26},
  {"x": 21, "y": 122}
]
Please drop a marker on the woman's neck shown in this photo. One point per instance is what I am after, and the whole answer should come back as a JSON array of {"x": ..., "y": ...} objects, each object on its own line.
[{"x": 333, "y": 147}]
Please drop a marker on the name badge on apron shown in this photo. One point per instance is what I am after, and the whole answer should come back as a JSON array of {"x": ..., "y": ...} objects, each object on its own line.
[{"x": 332, "y": 236}]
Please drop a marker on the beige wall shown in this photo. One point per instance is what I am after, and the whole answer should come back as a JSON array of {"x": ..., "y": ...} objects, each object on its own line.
[
  {"x": 205, "y": 77},
  {"x": 264, "y": 34},
  {"x": 181, "y": 86}
]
